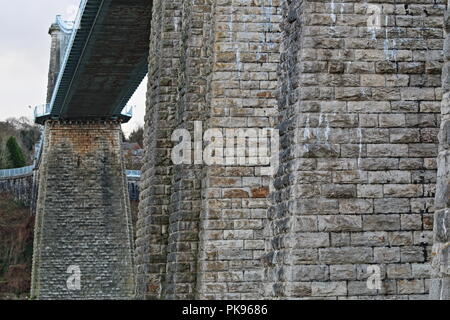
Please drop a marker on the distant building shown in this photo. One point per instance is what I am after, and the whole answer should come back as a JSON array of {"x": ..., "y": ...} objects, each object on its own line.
[{"x": 133, "y": 154}]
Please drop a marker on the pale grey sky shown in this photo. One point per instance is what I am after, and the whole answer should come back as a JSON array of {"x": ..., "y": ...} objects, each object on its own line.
[{"x": 25, "y": 53}]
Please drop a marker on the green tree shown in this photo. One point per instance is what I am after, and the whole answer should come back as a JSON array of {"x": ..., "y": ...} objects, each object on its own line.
[
  {"x": 15, "y": 153},
  {"x": 3, "y": 156},
  {"x": 26, "y": 133}
]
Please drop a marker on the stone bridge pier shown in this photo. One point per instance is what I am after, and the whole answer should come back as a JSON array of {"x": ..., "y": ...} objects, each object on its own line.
[
  {"x": 354, "y": 88},
  {"x": 200, "y": 232},
  {"x": 83, "y": 235},
  {"x": 440, "y": 270}
]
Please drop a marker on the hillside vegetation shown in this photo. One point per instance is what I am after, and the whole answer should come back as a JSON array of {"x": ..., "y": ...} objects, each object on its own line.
[
  {"x": 18, "y": 138},
  {"x": 16, "y": 248}
]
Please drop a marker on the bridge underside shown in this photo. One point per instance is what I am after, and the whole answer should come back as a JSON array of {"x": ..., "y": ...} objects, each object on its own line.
[{"x": 106, "y": 62}]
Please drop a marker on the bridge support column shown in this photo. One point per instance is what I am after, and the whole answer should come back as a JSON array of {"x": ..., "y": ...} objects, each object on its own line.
[
  {"x": 354, "y": 195},
  {"x": 152, "y": 225},
  {"x": 201, "y": 226},
  {"x": 83, "y": 236},
  {"x": 440, "y": 270}
]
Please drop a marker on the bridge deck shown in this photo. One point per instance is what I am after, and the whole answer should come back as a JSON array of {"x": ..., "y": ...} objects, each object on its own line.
[{"x": 105, "y": 62}]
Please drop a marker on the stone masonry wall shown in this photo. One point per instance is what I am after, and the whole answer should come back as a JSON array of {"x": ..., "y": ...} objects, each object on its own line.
[
  {"x": 83, "y": 214},
  {"x": 355, "y": 89},
  {"x": 24, "y": 188},
  {"x": 200, "y": 229},
  {"x": 241, "y": 94},
  {"x": 359, "y": 101},
  {"x": 58, "y": 43},
  {"x": 152, "y": 225},
  {"x": 185, "y": 206},
  {"x": 440, "y": 272}
]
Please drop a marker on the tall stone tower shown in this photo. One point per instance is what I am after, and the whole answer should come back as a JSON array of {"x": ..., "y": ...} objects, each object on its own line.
[{"x": 60, "y": 37}]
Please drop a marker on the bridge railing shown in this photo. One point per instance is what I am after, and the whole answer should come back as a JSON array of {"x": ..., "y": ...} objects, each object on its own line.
[
  {"x": 38, "y": 149},
  {"x": 42, "y": 110},
  {"x": 66, "y": 26},
  {"x": 9, "y": 173},
  {"x": 133, "y": 173},
  {"x": 16, "y": 172},
  {"x": 128, "y": 111}
]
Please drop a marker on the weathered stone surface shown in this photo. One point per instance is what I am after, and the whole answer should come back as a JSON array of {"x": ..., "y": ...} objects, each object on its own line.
[
  {"x": 357, "y": 107},
  {"x": 342, "y": 272},
  {"x": 58, "y": 46},
  {"x": 327, "y": 289},
  {"x": 440, "y": 271},
  {"x": 371, "y": 171},
  {"x": 346, "y": 255},
  {"x": 215, "y": 62},
  {"x": 83, "y": 214}
]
